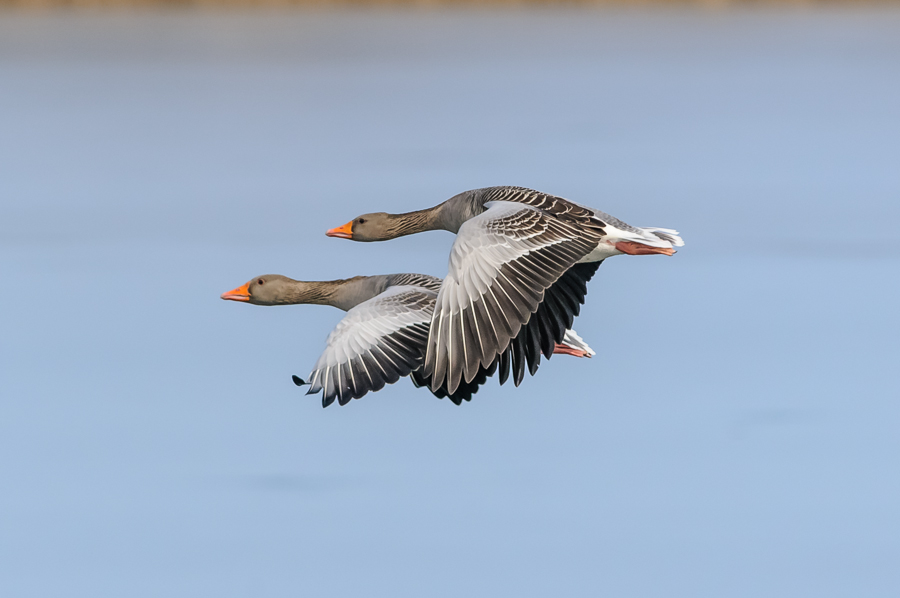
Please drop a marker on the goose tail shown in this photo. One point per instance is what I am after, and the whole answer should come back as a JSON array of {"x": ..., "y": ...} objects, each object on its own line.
[
  {"x": 646, "y": 241},
  {"x": 665, "y": 234},
  {"x": 574, "y": 345}
]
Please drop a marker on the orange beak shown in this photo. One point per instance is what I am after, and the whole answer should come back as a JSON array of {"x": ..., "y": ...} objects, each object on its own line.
[
  {"x": 241, "y": 293},
  {"x": 341, "y": 232}
]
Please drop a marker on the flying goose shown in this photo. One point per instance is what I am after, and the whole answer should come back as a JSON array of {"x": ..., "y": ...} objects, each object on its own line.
[
  {"x": 383, "y": 337},
  {"x": 521, "y": 258}
]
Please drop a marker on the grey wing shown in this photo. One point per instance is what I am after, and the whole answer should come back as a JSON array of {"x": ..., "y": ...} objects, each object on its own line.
[
  {"x": 378, "y": 342},
  {"x": 501, "y": 264},
  {"x": 585, "y": 216},
  {"x": 432, "y": 283},
  {"x": 559, "y": 207}
]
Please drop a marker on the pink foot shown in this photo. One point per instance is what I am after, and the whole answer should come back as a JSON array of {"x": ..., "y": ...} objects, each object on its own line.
[
  {"x": 567, "y": 350},
  {"x": 632, "y": 248}
]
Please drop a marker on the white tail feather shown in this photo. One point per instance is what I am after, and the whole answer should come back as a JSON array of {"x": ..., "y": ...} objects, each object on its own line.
[
  {"x": 664, "y": 238},
  {"x": 572, "y": 339},
  {"x": 666, "y": 234}
]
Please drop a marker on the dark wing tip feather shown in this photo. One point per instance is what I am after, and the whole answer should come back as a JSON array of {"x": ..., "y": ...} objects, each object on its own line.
[
  {"x": 463, "y": 392},
  {"x": 518, "y": 363},
  {"x": 547, "y": 326},
  {"x": 503, "y": 365}
]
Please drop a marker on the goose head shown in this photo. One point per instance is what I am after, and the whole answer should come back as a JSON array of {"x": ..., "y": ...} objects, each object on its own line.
[
  {"x": 268, "y": 289},
  {"x": 378, "y": 226}
]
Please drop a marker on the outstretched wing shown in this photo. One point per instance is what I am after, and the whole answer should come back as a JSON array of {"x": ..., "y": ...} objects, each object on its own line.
[
  {"x": 378, "y": 342},
  {"x": 549, "y": 325},
  {"x": 501, "y": 264}
]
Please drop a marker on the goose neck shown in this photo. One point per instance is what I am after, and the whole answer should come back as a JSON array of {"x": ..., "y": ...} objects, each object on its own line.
[{"x": 419, "y": 221}]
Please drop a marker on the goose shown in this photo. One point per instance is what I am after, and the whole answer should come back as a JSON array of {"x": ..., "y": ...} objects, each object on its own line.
[
  {"x": 383, "y": 336},
  {"x": 520, "y": 258}
]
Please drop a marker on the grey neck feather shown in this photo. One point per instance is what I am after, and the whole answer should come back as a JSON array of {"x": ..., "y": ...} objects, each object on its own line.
[
  {"x": 343, "y": 294},
  {"x": 448, "y": 216},
  {"x": 353, "y": 291}
]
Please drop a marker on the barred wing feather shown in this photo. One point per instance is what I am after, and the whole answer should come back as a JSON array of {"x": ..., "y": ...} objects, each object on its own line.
[
  {"x": 378, "y": 342},
  {"x": 501, "y": 264}
]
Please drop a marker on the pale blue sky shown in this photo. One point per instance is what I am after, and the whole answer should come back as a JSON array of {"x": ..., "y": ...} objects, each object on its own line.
[{"x": 736, "y": 434}]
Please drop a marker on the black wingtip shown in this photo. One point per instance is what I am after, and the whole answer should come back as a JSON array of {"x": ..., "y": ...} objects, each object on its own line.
[{"x": 299, "y": 381}]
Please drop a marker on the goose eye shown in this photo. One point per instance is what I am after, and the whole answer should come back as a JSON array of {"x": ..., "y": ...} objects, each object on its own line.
[
  {"x": 362, "y": 220},
  {"x": 260, "y": 282}
]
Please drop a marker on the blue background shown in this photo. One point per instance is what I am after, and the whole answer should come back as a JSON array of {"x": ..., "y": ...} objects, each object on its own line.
[{"x": 736, "y": 435}]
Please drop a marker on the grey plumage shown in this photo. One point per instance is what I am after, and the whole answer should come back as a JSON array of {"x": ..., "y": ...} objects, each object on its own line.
[{"x": 508, "y": 295}]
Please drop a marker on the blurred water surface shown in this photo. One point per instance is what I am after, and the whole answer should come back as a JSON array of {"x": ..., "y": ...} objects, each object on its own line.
[{"x": 737, "y": 434}]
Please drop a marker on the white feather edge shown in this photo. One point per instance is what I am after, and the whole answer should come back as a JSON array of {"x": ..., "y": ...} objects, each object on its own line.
[{"x": 359, "y": 331}]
